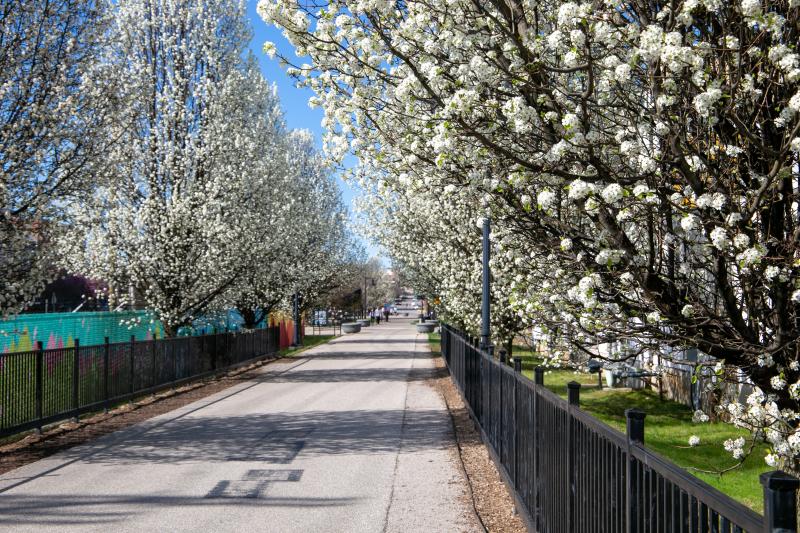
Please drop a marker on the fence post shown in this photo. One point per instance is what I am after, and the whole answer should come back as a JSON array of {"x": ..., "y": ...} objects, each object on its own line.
[
  {"x": 153, "y": 373},
  {"x": 130, "y": 372},
  {"x": 635, "y": 432},
  {"x": 106, "y": 350},
  {"x": 780, "y": 501},
  {"x": 75, "y": 377},
  {"x": 214, "y": 351},
  {"x": 574, "y": 393},
  {"x": 39, "y": 385},
  {"x": 517, "y": 377},
  {"x": 573, "y": 400},
  {"x": 503, "y": 355},
  {"x": 538, "y": 380}
]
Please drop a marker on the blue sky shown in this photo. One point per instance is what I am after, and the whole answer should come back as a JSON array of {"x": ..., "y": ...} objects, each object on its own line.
[{"x": 293, "y": 99}]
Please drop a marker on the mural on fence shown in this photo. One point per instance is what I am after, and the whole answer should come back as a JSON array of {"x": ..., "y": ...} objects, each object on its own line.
[{"x": 58, "y": 330}]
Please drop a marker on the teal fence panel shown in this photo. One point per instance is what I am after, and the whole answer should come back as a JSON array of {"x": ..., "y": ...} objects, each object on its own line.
[{"x": 57, "y": 330}]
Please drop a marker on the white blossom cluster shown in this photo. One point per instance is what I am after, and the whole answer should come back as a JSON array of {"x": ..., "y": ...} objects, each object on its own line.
[
  {"x": 54, "y": 103},
  {"x": 205, "y": 201},
  {"x": 639, "y": 163}
]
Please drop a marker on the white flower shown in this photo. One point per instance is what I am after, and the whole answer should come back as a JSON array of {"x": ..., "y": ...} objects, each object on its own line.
[
  {"x": 690, "y": 222},
  {"x": 622, "y": 73},
  {"x": 734, "y": 446},
  {"x": 720, "y": 239},
  {"x": 699, "y": 417},
  {"x": 566, "y": 244},
  {"x": 612, "y": 193},
  {"x": 579, "y": 189},
  {"x": 571, "y": 122},
  {"x": 771, "y": 272},
  {"x": 694, "y": 440},
  {"x": 641, "y": 189},
  {"x": 608, "y": 257},
  {"x": 687, "y": 311},
  {"x": 545, "y": 199},
  {"x": 777, "y": 382},
  {"x": 751, "y": 8},
  {"x": 751, "y": 256},
  {"x": 741, "y": 240},
  {"x": 765, "y": 360},
  {"x": 269, "y": 49}
]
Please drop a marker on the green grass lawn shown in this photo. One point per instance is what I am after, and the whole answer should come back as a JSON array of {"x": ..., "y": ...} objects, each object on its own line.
[
  {"x": 668, "y": 427},
  {"x": 309, "y": 341}
]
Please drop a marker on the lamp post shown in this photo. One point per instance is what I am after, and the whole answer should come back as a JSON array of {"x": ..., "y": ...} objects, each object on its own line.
[
  {"x": 372, "y": 280},
  {"x": 485, "y": 333}
]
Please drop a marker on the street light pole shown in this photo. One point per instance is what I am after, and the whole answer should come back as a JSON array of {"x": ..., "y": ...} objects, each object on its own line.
[{"x": 485, "y": 333}]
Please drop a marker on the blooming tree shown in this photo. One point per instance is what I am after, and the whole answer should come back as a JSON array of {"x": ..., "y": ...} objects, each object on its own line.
[
  {"x": 160, "y": 229},
  {"x": 53, "y": 102},
  {"x": 303, "y": 216},
  {"x": 639, "y": 160}
]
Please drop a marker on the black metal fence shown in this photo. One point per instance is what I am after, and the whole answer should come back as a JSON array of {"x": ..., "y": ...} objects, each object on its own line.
[
  {"x": 44, "y": 386},
  {"x": 572, "y": 473}
]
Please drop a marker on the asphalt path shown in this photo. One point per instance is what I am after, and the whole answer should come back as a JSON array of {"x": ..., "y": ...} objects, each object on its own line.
[{"x": 350, "y": 437}]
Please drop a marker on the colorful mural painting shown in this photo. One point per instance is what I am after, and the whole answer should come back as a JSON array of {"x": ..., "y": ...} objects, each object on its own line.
[{"x": 57, "y": 330}]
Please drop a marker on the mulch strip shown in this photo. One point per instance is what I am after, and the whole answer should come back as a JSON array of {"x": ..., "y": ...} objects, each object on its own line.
[
  {"x": 491, "y": 499},
  {"x": 54, "y": 439}
]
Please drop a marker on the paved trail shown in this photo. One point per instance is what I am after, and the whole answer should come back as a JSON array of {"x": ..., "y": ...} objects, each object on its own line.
[{"x": 348, "y": 438}]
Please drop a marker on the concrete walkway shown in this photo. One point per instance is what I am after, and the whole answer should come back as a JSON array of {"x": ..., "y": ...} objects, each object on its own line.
[{"x": 348, "y": 438}]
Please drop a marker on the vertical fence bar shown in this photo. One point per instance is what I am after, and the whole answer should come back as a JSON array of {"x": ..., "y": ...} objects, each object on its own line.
[
  {"x": 214, "y": 351},
  {"x": 130, "y": 371},
  {"x": 153, "y": 374},
  {"x": 573, "y": 400},
  {"x": 538, "y": 380},
  {"x": 75, "y": 376},
  {"x": 635, "y": 432},
  {"x": 39, "y": 384},
  {"x": 106, "y": 350},
  {"x": 517, "y": 443}
]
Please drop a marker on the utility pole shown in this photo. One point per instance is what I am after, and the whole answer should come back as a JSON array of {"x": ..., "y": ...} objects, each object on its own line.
[{"x": 485, "y": 333}]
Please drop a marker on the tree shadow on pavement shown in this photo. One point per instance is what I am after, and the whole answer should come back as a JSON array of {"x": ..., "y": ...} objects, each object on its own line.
[
  {"x": 76, "y": 510},
  {"x": 343, "y": 375},
  {"x": 336, "y": 356},
  {"x": 274, "y": 438}
]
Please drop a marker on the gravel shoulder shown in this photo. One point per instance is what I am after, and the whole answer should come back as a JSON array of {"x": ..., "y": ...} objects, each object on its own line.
[{"x": 492, "y": 501}]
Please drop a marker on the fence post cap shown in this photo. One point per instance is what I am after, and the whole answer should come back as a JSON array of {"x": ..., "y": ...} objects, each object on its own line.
[
  {"x": 636, "y": 414},
  {"x": 575, "y": 385},
  {"x": 779, "y": 480},
  {"x": 517, "y": 364}
]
